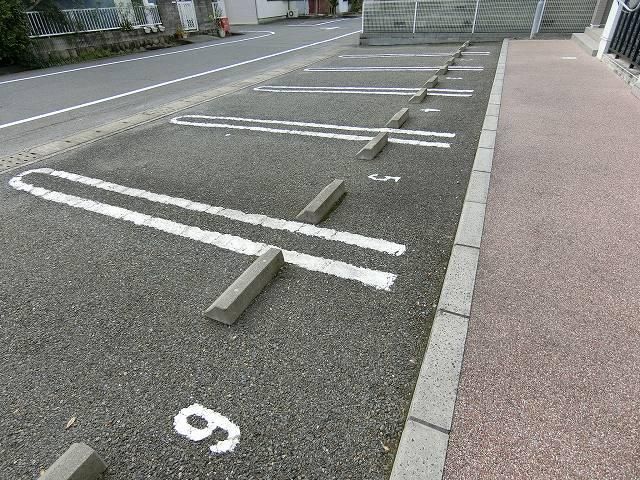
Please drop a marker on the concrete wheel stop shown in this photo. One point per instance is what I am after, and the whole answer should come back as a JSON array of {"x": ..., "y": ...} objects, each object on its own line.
[
  {"x": 398, "y": 119},
  {"x": 374, "y": 147},
  {"x": 432, "y": 82},
  {"x": 79, "y": 462},
  {"x": 318, "y": 208},
  {"x": 234, "y": 300},
  {"x": 419, "y": 96}
]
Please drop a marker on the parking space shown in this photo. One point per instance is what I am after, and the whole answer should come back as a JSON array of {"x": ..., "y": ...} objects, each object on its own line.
[{"x": 118, "y": 247}]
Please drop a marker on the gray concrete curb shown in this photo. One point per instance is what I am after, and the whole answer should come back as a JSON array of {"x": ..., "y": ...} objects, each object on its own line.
[
  {"x": 628, "y": 76},
  {"x": 47, "y": 150},
  {"x": 423, "y": 445}
]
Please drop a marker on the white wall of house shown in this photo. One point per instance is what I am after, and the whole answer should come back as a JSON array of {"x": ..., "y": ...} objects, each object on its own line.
[
  {"x": 302, "y": 6},
  {"x": 271, "y": 9},
  {"x": 241, "y": 12}
]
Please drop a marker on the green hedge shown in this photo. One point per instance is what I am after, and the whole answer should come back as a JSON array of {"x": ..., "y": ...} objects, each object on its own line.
[{"x": 14, "y": 35}]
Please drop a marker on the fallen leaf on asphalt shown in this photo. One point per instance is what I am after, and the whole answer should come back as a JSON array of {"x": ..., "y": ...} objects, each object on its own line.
[{"x": 70, "y": 423}]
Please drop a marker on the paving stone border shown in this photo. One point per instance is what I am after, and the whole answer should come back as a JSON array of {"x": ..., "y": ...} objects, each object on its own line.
[
  {"x": 423, "y": 445},
  {"x": 47, "y": 150}
]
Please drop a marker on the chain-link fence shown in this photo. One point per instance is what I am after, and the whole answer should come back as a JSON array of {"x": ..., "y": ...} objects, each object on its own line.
[
  {"x": 567, "y": 16},
  {"x": 476, "y": 16}
]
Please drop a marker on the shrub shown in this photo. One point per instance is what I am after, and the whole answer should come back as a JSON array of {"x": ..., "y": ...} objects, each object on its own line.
[{"x": 14, "y": 34}]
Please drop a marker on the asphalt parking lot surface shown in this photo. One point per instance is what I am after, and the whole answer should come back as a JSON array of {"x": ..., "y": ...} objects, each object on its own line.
[{"x": 102, "y": 318}]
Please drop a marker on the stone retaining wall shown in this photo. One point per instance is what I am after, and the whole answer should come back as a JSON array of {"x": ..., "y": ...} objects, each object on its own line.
[{"x": 71, "y": 48}]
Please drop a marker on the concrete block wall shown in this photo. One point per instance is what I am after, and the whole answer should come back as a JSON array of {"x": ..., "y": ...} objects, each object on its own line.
[{"x": 64, "y": 49}]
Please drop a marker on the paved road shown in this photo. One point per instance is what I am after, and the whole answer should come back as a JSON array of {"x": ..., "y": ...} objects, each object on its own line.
[
  {"x": 101, "y": 318},
  {"x": 30, "y": 94}
]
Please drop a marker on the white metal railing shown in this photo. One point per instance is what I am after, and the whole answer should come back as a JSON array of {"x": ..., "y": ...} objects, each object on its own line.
[
  {"x": 476, "y": 16},
  {"x": 76, "y": 20}
]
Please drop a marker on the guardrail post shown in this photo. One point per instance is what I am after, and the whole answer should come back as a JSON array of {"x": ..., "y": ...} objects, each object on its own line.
[
  {"x": 475, "y": 17},
  {"x": 537, "y": 19},
  {"x": 415, "y": 16}
]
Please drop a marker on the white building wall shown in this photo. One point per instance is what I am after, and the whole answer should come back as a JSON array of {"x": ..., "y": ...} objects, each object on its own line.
[
  {"x": 302, "y": 6},
  {"x": 249, "y": 12},
  {"x": 270, "y": 9},
  {"x": 242, "y": 12}
]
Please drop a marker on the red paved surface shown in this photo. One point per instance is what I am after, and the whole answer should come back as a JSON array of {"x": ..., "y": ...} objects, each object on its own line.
[{"x": 550, "y": 385}]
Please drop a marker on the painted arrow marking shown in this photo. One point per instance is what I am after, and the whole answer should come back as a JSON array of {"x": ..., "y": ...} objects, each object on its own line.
[
  {"x": 313, "y": 129},
  {"x": 375, "y": 278},
  {"x": 386, "y": 178}
]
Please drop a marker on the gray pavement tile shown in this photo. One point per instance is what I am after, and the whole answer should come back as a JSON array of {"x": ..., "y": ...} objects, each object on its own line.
[
  {"x": 457, "y": 289},
  {"x": 422, "y": 452},
  {"x": 435, "y": 395},
  {"x": 471, "y": 224},
  {"x": 478, "y": 187},
  {"x": 484, "y": 159},
  {"x": 490, "y": 123}
]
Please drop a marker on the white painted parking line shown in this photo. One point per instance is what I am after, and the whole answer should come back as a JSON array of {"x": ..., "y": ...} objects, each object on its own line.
[
  {"x": 400, "y": 55},
  {"x": 375, "y": 278},
  {"x": 453, "y": 78},
  {"x": 266, "y": 33},
  {"x": 569, "y": 58},
  {"x": 439, "y": 92},
  {"x": 393, "y": 69},
  {"x": 429, "y": 110},
  {"x": 312, "y": 133},
  {"x": 214, "y": 421},
  {"x": 329, "y": 126},
  {"x": 170, "y": 82}
]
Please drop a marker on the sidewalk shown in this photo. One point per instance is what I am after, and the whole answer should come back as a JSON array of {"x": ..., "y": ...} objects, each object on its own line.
[{"x": 550, "y": 384}]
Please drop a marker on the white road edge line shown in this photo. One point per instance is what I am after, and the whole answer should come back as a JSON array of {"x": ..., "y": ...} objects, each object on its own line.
[
  {"x": 375, "y": 278},
  {"x": 308, "y": 133},
  {"x": 89, "y": 67},
  {"x": 422, "y": 133},
  {"x": 171, "y": 82}
]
